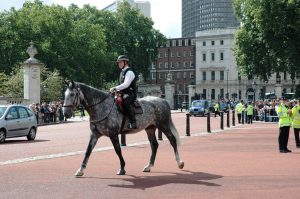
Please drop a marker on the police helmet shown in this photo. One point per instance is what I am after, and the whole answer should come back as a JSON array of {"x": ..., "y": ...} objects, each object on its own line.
[{"x": 122, "y": 58}]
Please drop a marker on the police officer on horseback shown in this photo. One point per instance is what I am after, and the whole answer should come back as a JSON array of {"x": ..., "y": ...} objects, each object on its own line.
[{"x": 128, "y": 88}]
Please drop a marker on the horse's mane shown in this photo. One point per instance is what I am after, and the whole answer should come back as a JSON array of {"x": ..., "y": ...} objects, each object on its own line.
[{"x": 90, "y": 91}]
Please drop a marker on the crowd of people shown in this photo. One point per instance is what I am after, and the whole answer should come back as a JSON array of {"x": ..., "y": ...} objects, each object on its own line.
[
  {"x": 48, "y": 112},
  {"x": 285, "y": 112}
]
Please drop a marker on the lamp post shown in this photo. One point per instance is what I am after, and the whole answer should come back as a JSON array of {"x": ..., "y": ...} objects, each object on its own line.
[
  {"x": 254, "y": 89},
  {"x": 46, "y": 91}
]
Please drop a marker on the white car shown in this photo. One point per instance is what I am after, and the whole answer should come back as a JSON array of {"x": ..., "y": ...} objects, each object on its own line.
[{"x": 17, "y": 121}]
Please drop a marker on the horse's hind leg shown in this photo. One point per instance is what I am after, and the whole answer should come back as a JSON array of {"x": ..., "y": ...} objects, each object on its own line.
[
  {"x": 115, "y": 141},
  {"x": 93, "y": 141},
  {"x": 154, "y": 145},
  {"x": 173, "y": 142}
]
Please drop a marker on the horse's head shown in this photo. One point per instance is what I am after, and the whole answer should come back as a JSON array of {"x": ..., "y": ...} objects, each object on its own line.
[{"x": 73, "y": 99}]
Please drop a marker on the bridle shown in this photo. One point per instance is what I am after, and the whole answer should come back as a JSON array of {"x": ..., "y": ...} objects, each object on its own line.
[{"x": 78, "y": 102}]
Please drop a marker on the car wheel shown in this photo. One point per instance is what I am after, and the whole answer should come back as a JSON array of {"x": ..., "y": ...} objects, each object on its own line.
[
  {"x": 2, "y": 136},
  {"x": 31, "y": 135}
]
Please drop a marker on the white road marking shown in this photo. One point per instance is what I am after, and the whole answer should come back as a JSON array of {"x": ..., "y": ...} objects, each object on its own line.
[{"x": 100, "y": 149}]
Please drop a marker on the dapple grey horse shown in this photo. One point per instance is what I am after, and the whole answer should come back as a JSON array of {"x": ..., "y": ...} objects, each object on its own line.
[{"x": 106, "y": 120}]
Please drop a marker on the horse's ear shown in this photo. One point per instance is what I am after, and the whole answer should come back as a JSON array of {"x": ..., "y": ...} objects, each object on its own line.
[
  {"x": 66, "y": 82},
  {"x": 73, "y": 84}
]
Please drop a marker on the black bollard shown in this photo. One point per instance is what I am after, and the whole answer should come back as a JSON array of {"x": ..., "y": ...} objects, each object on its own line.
[
  {"x": 266, "y": 119},
  {"x": 243, "y": 115},
  {"x": 159, "y": 137},
  {"x": 222, "y": 123},
  {"x": 123, "y": 140},
  {"x": 233, "y": 117},
  {"x": 208, "y": 122},
  {"x": 188, "y": 124},
  {"x": 228, "y": 119}
]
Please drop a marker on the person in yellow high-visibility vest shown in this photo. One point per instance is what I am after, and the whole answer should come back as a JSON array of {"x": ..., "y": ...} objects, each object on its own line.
[
  {"x": 217, "y": 109},
  {"x": 239, "y": 109},
  {"x": 284, "y": 113},
  {"x": 296, "y": 122},
  {"x": 250, "y": 111}
]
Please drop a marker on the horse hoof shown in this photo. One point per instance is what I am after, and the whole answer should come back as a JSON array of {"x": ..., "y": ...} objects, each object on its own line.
[
  {"x": 147, "y": 169},
  {"x": 121, "y": 172},
  {"x": 181, "y": 165},
  {"x": 79, "y": 174}
]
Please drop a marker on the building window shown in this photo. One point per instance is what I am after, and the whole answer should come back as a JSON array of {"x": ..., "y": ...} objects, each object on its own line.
[
  {"x": 161, "y": 54},
  {"x": 178, "y": 75},
  {"x": 222, "y": 75},
  {"x": 184, "y": 75},
  {"x": 178, "y": 64},
  {"x": 166, "y": 54},
  {"x": 160, "y": 65},
  {"x": 153, "y": 76},
  {"x": 191, "y": 75},
  {"x": 186, "y": 42},
  {"x": 166, "y": 65},
  {"x": 184, "y": 64},
  {"x": 180, "y": 42},
  {"x": 212, "y": 56},
  {"x": 203, "y": 57},
  {"x": 204, "y": 75},
  {"x": 191, "y": 64},
  {"x": 284, "y": 76},
  {"x": 172, "y": 54},
  {"x": 212, "y": 43},
  {"x": 221, "y": 56},
  {"x": 153, "y": 65},
  {"x": 168, "y": 43},
  {"x": 192, "y": 53},
  {"x": 172, "y": 65},
  {"x": 213, "y": 75},
  {"x": 204, "y": 43},
  {"x": 213, "y": 94},
  {"x": 160, "y": 75},
  {"x": 222, "y": 42},
  {"x": 222, "y": 93},
  {"x": 174, "y": 43},
  {"x": 178, "y": 54},
  {"x": 204, "y": 94}
]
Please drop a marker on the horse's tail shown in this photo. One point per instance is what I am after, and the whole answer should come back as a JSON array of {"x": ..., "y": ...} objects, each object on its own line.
[{"x": 175, "y": 132}]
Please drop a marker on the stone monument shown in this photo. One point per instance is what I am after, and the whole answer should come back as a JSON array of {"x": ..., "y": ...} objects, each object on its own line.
[
  {"x": 32, "y": 80},
  {"x": 170, "y": 90}
]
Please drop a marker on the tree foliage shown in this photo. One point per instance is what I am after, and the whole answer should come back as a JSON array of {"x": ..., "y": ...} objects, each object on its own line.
[
  {"x": 78, "y": 43},
  {"x": 269, "y": 39}
]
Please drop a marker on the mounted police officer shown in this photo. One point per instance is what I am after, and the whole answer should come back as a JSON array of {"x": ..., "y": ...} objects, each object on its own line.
[{"x": 128, "y": 88}]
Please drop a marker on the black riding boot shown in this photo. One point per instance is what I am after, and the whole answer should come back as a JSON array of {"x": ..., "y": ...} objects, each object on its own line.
[{"x": 132, "y": 120}]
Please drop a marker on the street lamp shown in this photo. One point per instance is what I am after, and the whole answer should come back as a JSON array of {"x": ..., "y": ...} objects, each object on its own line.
[
  {"x": 254, "y": 89},
  {"x": 46, "y": 91}
]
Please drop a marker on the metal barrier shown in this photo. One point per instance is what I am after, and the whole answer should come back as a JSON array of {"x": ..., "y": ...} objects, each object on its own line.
[
  {"x": 208, "y": 122},
  {"x": 187, "y": 124},
  {"x": 228, "y": 119}
]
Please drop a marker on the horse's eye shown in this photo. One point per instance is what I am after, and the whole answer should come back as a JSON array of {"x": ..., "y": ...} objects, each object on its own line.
[{"x": 72, "y": 94}]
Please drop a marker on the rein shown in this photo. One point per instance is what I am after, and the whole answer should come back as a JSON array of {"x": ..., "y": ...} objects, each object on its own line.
[{"x": 100, "y": 120}]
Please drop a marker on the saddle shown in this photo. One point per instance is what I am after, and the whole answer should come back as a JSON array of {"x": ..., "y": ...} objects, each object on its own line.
[{"x": 136, "y": 104}]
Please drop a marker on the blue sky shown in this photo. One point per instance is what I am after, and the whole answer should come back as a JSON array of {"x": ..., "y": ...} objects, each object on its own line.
[{"x": 166, "y": 14}]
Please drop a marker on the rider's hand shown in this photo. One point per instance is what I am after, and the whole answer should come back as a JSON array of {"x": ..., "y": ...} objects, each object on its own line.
[{"x": 113, "y": 89}]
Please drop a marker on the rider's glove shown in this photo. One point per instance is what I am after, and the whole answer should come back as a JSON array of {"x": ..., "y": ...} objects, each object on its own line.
[{"x": 113, "y": 89}]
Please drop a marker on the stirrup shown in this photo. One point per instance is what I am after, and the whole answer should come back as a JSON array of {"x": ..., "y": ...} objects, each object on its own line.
[{"x": 132, "y": 126}]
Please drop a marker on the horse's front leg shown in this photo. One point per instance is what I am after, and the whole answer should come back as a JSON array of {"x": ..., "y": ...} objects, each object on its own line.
[
  {"x": 93, "y": 141},
  {"x": 115, "y": 141}
]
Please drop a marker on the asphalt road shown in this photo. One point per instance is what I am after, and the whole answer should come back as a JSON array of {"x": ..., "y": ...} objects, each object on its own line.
[{"x": 240, "y": 162}]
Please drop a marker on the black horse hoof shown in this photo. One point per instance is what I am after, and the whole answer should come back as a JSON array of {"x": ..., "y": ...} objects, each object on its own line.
[{"x": 121, "y": 172}]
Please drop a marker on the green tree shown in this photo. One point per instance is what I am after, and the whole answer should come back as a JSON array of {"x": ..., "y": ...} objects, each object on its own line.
[{"x": 269, "y": 40}]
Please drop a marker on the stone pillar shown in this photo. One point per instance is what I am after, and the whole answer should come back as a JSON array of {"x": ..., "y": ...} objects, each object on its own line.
[
  {"x": 170, "y": 90},
  {"x": 32, "y": 80},
  {"x": 278, "y": 90},
  {"x": 192, "y": 91}
]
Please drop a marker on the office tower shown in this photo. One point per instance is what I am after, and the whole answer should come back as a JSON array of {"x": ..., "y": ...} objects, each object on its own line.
[{"x": 199, "y": 15}]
